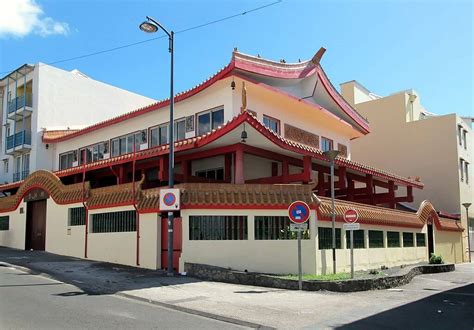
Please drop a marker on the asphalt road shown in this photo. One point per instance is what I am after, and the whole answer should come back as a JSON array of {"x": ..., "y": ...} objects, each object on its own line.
[{"x": 35, "y": 302}]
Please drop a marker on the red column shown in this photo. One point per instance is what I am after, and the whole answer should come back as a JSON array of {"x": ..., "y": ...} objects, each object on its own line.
[
  {"x": 341, "y": 183},
  {"x": 285, "y": 171},
  {"x": 121, "y": 177},
  {"x": 350, "y": 190},
  {"x": 228, "y": 168},
  {"x": 239, "y": 166},
  {"x": 391, "y": 192},
  {"x": 307, "y": 169},
  {"x": 321, "y": 189},
  {"x": 370, "y": 188}
]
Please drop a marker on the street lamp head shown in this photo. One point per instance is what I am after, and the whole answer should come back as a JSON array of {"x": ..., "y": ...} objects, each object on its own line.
[
  {"x": 466, "y": 205},
  {"x": 331, "y": 154},
  {"x": 148, "y": 27}
]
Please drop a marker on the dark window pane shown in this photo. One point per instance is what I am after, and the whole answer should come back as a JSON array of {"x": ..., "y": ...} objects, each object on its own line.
[
  {"x": 359, "y": 242},
  {"x": 154, "y": 137},
  {"x": 112, "y": 222},
  {"x": 130, "y": 140},
  {"x": 375, "y": 239},
  {"x": 164, "y": 134},
  {"x": 408, "y": 240},
  {"x": 275, "y": 228},
  {"x": 217, "y": 118},
  {"x": 201, "y": 174},
  {"x": 220, "y": 174},
  {"x": 123, "y": 145},
  {"x": 217, "y": 227},
  {"x": 325, "y": 238},
  {"x": 204, "y": 123},
  {"x": 179, "y": 130},
  {"x": 5, "y": 223},
  {"x": 77, "y": 216},
  {"x": 393, "y": 239},
  {"x": 420, "y": 239}
]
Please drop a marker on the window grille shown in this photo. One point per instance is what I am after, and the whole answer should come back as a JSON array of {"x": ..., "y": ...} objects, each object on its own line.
[
  {"x": 325, "y": 238},
  {"x": 275, "y": 228},
  {"x": 77, "y": 216},
  {"x": 393, "y": 239},
  {"x": 113, "y": 222},
  {"x": 408, "y": 240},
  {"x": 359, "y": 242},
  {"x": 220, "y": 227},
  {"x": 375, "y": 239},
  {"x": 5, "y": 223}
]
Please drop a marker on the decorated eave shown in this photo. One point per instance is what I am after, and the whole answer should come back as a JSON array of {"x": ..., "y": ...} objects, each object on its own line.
[
  {"x": 238, "y": 62},
  {"x": 225, "y": 196},
  {"x": 203, "y": 140}
]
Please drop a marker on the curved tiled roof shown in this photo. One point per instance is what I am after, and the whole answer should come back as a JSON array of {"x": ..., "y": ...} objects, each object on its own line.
[
  {"x": 51, "y": 135},
  {"x": 227, "y": 196},
  {"x": 243, "y": 62},
  {"x": 373, "y": 215},
  {"x": 62, "y": 194}
]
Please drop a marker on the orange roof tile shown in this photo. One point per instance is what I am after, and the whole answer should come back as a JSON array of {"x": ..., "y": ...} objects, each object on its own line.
[{"x": 50, "y": 135}]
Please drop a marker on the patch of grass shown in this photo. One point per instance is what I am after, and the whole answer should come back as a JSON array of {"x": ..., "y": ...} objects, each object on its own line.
[{"x": 315, "y": 277}]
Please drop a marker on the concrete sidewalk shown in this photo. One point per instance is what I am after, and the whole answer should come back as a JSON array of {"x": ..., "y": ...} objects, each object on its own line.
[{"x": 429, "y": 301}]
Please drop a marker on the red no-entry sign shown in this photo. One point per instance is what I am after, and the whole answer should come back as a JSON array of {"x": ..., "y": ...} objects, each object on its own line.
[{"x": 351, "y": 216}]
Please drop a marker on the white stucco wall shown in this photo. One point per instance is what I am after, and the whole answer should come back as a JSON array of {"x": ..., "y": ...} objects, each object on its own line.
[
  {"x": 15, "y": 236},
  {"x": 60, "y": 237},
  {"x": 278, "y": 256}
]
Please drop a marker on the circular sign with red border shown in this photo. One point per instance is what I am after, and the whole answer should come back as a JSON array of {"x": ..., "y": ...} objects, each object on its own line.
[
  {"x": 298, "y": 212},
  {"x": 351, "y": 216},
  {"x": 169, "y": 199}
]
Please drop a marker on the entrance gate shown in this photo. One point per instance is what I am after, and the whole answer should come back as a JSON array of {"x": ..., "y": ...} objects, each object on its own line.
[{"x": 36, "y": 225}]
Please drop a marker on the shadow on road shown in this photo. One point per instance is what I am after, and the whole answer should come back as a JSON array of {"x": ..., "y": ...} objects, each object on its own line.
[
  {"x": 453, "y": 309},
  {"x": 92, "y": 277}
]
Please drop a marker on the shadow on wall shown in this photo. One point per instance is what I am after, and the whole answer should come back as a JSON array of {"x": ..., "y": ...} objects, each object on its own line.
[
  {"x": 445, "y": 310},
  {"x": 92, "y": 277}
]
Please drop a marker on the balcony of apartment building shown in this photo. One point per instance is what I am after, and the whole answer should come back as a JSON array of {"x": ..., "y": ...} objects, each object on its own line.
[
  {"x": 19, "y": 142},
  {"x": 20, "y": 106}
]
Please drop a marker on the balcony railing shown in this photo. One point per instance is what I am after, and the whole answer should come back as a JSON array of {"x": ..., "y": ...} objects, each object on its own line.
[
  {"x": 21, "y": 175},
  {"x": 20, "y": 102},
  {"x": 18, "y": 139}
]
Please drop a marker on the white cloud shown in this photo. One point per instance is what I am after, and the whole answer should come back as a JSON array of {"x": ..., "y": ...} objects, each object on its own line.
[{"x": 19, "y": 18}]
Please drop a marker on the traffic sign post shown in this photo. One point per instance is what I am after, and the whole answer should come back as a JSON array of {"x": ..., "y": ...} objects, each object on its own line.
[
  {"x": 298, "y": 213},
  {"x": 351, "y": 216}
]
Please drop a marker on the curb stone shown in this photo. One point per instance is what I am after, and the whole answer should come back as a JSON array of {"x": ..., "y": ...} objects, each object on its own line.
[
  {"x": 219, "y": 274},
  {"x": 153, "y": 302}
]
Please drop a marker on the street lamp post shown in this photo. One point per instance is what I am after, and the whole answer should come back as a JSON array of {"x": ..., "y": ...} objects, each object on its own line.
[
  {"x": 152, "y": 26},
  {"x": 332, "y": 154},
  {"x": 466, "y": 205}
]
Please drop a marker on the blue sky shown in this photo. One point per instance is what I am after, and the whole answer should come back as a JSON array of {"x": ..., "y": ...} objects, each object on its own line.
[{"x": 387, "y": 46}]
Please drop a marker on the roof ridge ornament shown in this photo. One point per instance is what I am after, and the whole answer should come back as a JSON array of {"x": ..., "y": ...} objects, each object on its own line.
[
  {"x": 244, "y": 98},
  {"x": 317, "y": 57}
]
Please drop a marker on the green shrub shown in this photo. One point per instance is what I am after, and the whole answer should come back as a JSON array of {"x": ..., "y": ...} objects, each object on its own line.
[{"x": 434, "y": 259}]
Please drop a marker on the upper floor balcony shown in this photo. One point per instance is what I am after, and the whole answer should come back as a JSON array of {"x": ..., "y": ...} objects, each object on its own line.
[
  {"x": 18, "y": 143},
  {"x": 20, "y": 106}
]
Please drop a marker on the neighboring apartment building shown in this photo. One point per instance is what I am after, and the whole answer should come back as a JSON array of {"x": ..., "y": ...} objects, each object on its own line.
[
  {"x": 249, "y": 141},
  {"x": 34, "y": 98},
  {"x": 414, "y": 142}
]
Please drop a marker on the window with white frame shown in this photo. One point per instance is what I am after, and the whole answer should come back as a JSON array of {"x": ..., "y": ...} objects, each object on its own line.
[
  {"x": 326, "y": 144},
  {"x": 272, "y": 123},
  {"x": 126, "y": 144},
  {"x": 209, "y": 120},
  {"x": 179, "y": 132},
  {"x": 6, "y": 164},
  {"x": 159, "y": 135},
  {"x": 461, "y": 168},
  {"x": 94, "y": 152},
  {"x": 67, "y": 159}
]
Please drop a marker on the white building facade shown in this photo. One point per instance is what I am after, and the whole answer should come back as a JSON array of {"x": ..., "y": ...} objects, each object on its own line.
[{"x": 41, "y": 97}]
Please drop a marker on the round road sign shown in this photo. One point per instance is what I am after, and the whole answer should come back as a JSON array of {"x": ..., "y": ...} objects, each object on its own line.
[
  {"x": 298, "y": 212},
  {"x": 169, "y": 199},
  {"x": 351, "y": 216}
]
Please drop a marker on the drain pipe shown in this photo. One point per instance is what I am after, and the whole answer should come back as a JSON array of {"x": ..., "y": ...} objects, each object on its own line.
[
  {"x": 86, "y": 234},
  {"x": 137, "y": 215}
]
